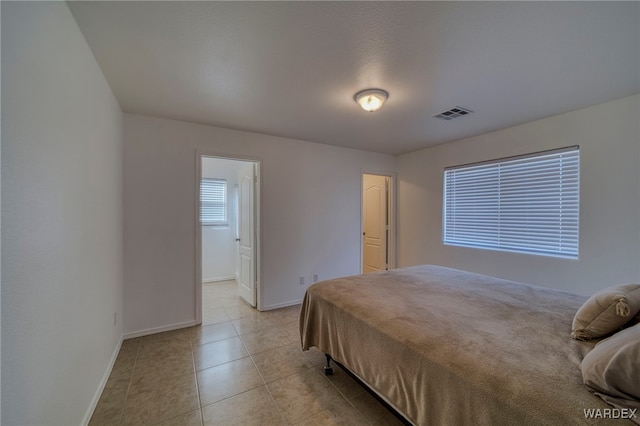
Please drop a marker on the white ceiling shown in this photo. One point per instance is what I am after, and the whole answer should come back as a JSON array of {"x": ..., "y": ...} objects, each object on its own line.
[{"x": 291, "y": 68}]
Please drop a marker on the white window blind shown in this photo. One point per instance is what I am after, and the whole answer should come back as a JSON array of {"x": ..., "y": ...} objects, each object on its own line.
[
  {"x": 527, "y": 204},
  {"x": 213, "y": 201}
]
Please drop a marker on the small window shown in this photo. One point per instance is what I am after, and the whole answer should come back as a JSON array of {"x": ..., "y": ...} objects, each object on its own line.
[
  {"x": 528, "y": 204},
  {"x": 213, "y": 202}
]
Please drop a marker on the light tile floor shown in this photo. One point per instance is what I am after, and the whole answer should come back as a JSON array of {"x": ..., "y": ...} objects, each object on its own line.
[{"x": 241, "y": 367}]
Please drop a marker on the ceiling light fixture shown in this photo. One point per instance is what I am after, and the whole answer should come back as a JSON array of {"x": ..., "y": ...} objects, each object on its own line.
[{"x": 371, "y": 99}]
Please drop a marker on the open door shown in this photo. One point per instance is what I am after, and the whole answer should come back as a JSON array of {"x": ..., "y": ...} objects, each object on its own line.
[
  {"x": 230, "y": 251},
  {"x": 247, "y": 234},
  {"x": 375, "y": 223}
]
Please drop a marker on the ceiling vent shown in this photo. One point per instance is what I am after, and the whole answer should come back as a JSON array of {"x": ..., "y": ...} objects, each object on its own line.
[{"x": 453, "y": 113}]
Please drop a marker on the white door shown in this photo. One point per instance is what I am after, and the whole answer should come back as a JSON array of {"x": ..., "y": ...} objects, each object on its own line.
[
  {"x": 374, "y": 223},
  {"x": 236, "y": 211},
  {"x": 247, "y": 281}
]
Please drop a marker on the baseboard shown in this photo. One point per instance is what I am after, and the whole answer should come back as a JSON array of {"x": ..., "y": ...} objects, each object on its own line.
[
  {"x": 103, "y": 383},
  {"x": 281, "y": 305},
  {"x": 215, "y": 280},
  {"x": 157, "y": 330}
]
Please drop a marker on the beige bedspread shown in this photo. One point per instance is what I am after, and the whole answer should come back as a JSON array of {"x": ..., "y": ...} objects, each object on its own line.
[{"x": 447, "y": 347}]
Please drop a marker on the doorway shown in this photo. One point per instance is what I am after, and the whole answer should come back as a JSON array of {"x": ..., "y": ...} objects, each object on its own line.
[
  {"x": 378, "y": 234},
  {"x": 227, "y": 227}
]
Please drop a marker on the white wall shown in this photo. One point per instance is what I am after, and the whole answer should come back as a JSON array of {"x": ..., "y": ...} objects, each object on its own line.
[
  {"x": 310, "y": 208},
  {"x": 609, "y": 140},
  {"x": 61, "y": 219},
  {"x": 218, "y": 242}
]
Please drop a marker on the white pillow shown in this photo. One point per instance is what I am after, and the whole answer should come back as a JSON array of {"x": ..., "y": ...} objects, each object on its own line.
[
  {"x": 607, "y": 311},
  {"x": 612, "y": 370}
]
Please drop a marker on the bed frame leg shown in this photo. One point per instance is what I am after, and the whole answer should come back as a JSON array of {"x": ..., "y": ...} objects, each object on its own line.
[{"x": 328, "y": 369}]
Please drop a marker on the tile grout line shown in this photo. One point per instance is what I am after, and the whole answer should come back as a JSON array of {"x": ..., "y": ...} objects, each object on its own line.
[
  {"x": 126, "y": 396},
  {"x": 195, "y": 375},
  {"x": 266, "y": 386}
]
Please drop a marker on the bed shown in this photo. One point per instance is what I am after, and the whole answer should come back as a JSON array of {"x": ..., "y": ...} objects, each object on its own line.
[{"x": 449, "y": 347}]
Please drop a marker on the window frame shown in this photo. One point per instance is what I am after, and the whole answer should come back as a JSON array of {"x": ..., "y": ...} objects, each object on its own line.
[
  {"x": 512, "y": 212},
  {"x": 225, "y": 202}
]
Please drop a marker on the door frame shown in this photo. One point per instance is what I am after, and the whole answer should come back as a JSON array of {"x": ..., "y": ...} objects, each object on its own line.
[
  {"x": 199, "y": 155},
  {"x": 391, "y": 211}
]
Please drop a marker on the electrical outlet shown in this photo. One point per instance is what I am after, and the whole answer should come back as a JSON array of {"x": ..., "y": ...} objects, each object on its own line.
[
  {"x": 301, "y": 280},
  {"x": 315, "y": 278}
]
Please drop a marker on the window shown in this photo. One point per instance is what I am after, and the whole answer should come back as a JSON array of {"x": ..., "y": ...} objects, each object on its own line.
[
  {"x": 213, "y": 202},
  {"x": 527, "y": 204}
]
